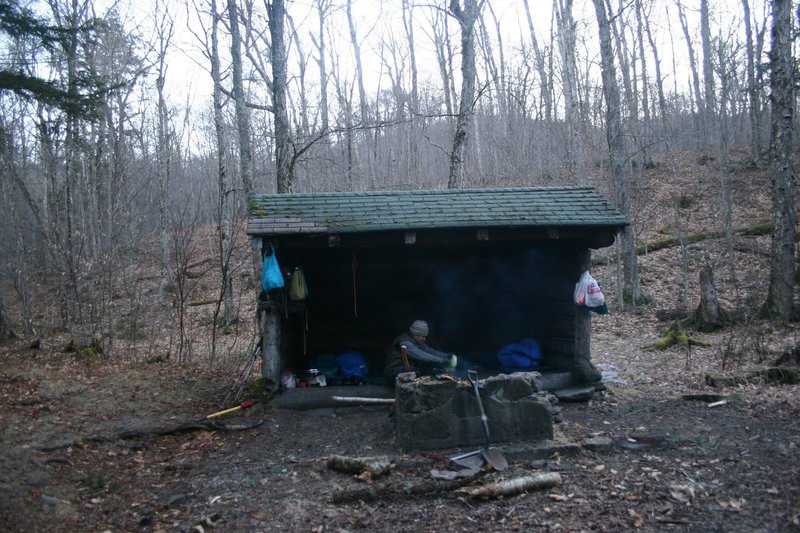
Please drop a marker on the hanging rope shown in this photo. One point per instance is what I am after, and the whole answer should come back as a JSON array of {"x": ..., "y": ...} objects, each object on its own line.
[{"x": 355, "y": 292}]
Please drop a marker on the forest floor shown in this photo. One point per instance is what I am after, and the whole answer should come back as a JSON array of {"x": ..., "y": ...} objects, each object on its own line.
[{"x": 87, "y": 445}]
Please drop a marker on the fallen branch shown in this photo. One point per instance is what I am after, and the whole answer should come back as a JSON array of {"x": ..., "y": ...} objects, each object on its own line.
[
  {"x": 754, "y": 230},
  {"x": 541, "y": 480},
  {"x": 366, "y": 469},
  {"x": 360, "y": 399},
  {"x": 389, "y": 492}
]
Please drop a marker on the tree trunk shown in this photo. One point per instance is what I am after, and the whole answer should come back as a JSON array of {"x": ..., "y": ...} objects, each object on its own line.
[
  {"x": 631, "y": 290},
  {"x": 283, "y": 156},
  {"x": 73, "y": 281},
  {"x": 566, "y": 47},
  {"x": 466, "y": 16},
  {"x": 710, "y": 99},
  {"x": 5, "y": 325},
  {"x": 662, "y": 101},
  {"x": 544, "y": 79},
  {"x": 753, "y": 100},
  {"x": 726, "y": 203},
  {"x": 644, "y": 124},
  {"x": 225, "y": 190},
  {"x": 362, "y": 98},
  {"x": 698, "y": 97},
  {"x": 302, "y": 63},
  {"x": 322, "y": 12},
  {"x": 780, "y": 297},
  {"x": 443, "y": 59},
  {"x": 709, "y": 315},
  {"x": 163, "y": 150},
  {"x": 242, "y": 113},
  {"x": 413, "y": 133}
]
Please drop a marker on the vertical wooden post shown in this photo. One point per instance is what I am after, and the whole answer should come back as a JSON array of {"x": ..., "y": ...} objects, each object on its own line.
[
  {"x": 583, "y": 332},
  {"x": 271, "y": 341},
  {"x": 583, "y": 371}
]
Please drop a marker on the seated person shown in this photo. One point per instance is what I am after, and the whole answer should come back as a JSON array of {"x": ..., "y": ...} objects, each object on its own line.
[{"x": 423, "y": 359}]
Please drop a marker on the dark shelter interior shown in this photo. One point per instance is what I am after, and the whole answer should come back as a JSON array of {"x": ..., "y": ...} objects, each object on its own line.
[{"x": 477, "y": 297}]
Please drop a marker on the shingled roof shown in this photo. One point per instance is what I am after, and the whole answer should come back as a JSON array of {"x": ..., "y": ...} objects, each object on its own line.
[{"x": 355, "y": 212}]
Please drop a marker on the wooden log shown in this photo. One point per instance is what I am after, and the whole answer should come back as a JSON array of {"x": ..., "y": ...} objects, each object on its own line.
[
  {"x": 393, "y": 491},
  {"x": 365, "y": 468},
  {"x": 271, "y": 360},
  {"x": 540, "y": 480},
  {"x": 361, "y": 399}
]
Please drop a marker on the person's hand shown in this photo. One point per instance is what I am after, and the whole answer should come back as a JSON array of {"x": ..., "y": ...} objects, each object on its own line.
[{"x": 453, "y": 361}]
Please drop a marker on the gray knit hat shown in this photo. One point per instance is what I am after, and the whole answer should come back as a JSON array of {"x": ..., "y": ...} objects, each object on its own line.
[{"x": 419, "y": 327}]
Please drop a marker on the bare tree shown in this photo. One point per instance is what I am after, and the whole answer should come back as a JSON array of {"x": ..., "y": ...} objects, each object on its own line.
[
  {"x": 726, "y": 74},
  {"x": 644, "y": 129},
  {"x": 323, "y": 9},
  {"x": 441, "y": 44},
  {"x": 164, "y": 33},
  {"x": 303, "y": 128},
  {"x": 780, "y": 297},
  {"x": 224, "y": 209},
  {"x": 698, "y": 96},
  {"x": 413, "y": 135},
  {"x": 544, "y": 79},
  {"x": 365, "y": 120},
  {"x": 11, "y": 188},
  {"x": 631, "y": 291},
  {"x": 709, "y": 91},
  {"x": 466, "y": 17},
  {"x": 754, "y": 101},
  {"x": 242, "y": 113},
  {"x": 569, "y": 74},
  {"x": 283, "y": 156},
  {"x": 662, "y": 101}
]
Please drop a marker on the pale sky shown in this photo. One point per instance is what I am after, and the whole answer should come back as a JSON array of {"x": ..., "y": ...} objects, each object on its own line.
[{"x": 379, "y": 19}]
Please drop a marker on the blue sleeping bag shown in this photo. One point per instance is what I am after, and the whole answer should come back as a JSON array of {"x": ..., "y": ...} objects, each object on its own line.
[
  {"x": 521, "y": 355},
  {"x": 352, "y": 364}
]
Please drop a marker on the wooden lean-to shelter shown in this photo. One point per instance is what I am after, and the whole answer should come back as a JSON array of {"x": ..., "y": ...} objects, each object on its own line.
[{"x": 485, "y": 267}]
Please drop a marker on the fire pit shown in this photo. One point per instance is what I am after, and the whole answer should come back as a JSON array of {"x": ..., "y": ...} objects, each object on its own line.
[{"x": 440, "y": 414}]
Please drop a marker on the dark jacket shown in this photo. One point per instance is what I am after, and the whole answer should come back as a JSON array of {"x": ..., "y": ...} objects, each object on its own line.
[{"x": 420, "y": 356}]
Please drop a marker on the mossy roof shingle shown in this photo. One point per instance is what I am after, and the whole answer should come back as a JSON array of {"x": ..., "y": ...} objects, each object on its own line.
[{"x": 354, "y": 212}]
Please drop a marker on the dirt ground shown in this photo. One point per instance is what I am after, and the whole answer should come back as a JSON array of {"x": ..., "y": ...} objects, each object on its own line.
[{"x": 80, "y": 453}]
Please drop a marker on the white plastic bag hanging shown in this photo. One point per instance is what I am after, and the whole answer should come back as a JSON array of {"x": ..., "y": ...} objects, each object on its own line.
[{"x": 588, "y": 292}]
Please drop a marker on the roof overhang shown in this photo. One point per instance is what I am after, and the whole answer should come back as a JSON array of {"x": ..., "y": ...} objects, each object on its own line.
[{"x": 435, "y": 216}]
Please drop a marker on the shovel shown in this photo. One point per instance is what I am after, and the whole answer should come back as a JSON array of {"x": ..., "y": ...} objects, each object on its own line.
[{"x": 492, "y": 456}]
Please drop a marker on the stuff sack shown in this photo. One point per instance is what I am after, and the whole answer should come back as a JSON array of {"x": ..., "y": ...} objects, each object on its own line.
[
  {"x": 352, "y": 364},
  {"x": 298, "y": 290},
  {"x": 271, "y": 278},
  {"x": 521, "y": 355},
  {"x": 588, "y": 292}
]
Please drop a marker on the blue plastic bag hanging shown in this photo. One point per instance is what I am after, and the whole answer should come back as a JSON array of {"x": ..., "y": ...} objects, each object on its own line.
[{"x": 272, "y": 278}]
